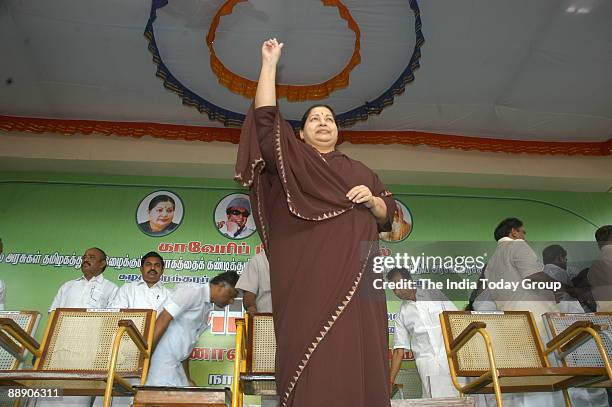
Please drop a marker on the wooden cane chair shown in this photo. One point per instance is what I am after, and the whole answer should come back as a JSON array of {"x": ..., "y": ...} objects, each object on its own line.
[
  {"x": 593, "y": 348},
  {"x": 157, "y": 396},
  {"x": 254, "y": 362},
  {"x": 13, "y": 355},
  {"x": 408, "y": 384},
  {"x": 437, "y": 402},
  {"x": 86, "y": 352},
  {"x": 501, "y": 352}
]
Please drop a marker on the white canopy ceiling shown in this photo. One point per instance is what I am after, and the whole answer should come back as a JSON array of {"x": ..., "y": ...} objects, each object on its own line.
[{"x": 518, "y": 69}]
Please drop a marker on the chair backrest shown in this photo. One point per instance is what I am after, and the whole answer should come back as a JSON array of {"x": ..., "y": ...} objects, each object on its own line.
[
  {"x": 261, "y": 345},
  {"x": 411, "y": 383},
  {"x": 82, "y": 340},
  {"x": 513, "y": 337},
  {"x": 587, "y": 355},
  {"x": 28, "y": 321}
]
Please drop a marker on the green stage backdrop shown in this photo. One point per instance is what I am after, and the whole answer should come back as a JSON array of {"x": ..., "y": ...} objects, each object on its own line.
[{"x": 47, "y": 221}]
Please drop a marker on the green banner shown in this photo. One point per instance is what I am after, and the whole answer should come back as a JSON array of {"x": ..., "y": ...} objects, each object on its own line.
[{"x": 47, "y": 222}]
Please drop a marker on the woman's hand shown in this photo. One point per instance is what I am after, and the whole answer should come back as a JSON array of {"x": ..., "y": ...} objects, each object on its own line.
[
  {"x": 271, "y": 52},
  {"x": 361, "y": 194}
]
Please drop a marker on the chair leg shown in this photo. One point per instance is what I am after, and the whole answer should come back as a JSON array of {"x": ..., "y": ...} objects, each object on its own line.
[
  {"x": 566, "y": 397},
  {"x": 498, "y": 393}
]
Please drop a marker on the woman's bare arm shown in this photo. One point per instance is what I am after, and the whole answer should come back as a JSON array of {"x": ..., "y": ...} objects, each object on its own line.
[{"x": 266, "y": 87}]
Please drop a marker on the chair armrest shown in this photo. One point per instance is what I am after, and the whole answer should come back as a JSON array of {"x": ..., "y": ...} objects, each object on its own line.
[
  {"x": 10, "y": 346},
  {"x": 135, "y": 334},
  {"x": 466, "y": 335},
  {"x": 238, "y": 360},
  {"x": 124, "y": 326},
  {"x": 10, "y": 327},
  {"x": 572, "y": 336},
  {"x": 395, "y": 388}
]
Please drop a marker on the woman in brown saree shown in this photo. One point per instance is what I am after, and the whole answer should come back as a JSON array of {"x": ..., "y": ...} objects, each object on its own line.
[{"x": 318, "y": 213}]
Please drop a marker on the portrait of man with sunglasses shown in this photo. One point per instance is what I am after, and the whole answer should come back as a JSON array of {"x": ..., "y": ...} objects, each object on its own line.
[{"x": 238, "y": 212}]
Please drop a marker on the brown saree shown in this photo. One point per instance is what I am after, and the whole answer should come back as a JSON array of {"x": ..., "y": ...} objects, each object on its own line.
[{"x": 331, "y": 325}]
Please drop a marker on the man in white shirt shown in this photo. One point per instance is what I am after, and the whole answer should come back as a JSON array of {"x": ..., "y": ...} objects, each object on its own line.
[
  {"x": 255, "y": 283},
  {"x": 514, "y": 261},
  {"x": 149, "y": 293},
  {"x": 600, "y": 275},
  {"x": 180, "y": 324},
  {"x": 91, "y": 290},
  {"x": 555, "y": 266},
  {"x": 417, "y": 327}
]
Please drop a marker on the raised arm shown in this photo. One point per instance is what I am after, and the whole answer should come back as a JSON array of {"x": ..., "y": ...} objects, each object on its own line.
[{"x": 266, "y": 87}]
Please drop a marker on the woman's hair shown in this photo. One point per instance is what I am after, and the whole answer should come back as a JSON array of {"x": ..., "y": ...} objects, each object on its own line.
[
  {"x": 305, "y": 117},
  {"x": 159, "y": 199}
]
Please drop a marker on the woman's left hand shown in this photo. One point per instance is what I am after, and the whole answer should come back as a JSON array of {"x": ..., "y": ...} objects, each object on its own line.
[{"x": 361, "y": 194}]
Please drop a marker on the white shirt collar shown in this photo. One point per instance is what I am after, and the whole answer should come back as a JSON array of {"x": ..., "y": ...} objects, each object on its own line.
[
  {"x": 509, "y": 239},
  {"x": 95, "y": 279},
  {"x": 156, "y": 285},
  {"x": 554, "y": 266},
  {"x": 207, "y": 293}
]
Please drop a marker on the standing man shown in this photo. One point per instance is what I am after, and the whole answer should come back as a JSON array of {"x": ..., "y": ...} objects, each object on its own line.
[
  {"x": 417, "y": 327},
  {"x": 91, "y": 290},
  {"x": 179, "y": 326},
  {"x": 514, "y": 261},
  {"x": 555, "y": 266},
  {"x": 255, "y": 283},
  {"x": 600, "y": 275},
  {"x": 149, "y": 293},
  {"x": 237, "y": 211}
]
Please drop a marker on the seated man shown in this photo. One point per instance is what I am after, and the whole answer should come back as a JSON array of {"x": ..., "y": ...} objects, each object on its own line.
[
  {"x": 255, "y": 283},
  {"x": 180, "y": 324},
  {"x": 91, "y": 290},
  {"x": 149, "y": 293},
  {"x": 417, "y": 327}
]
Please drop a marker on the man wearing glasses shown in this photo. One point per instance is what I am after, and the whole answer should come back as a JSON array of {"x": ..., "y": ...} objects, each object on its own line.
[{"x": 238, "y": 211}]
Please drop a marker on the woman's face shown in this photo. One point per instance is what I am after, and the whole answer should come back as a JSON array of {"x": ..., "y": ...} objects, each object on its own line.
[
  {"x": 320, "y": 130},
  {"x": 161, "y": 216}
]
